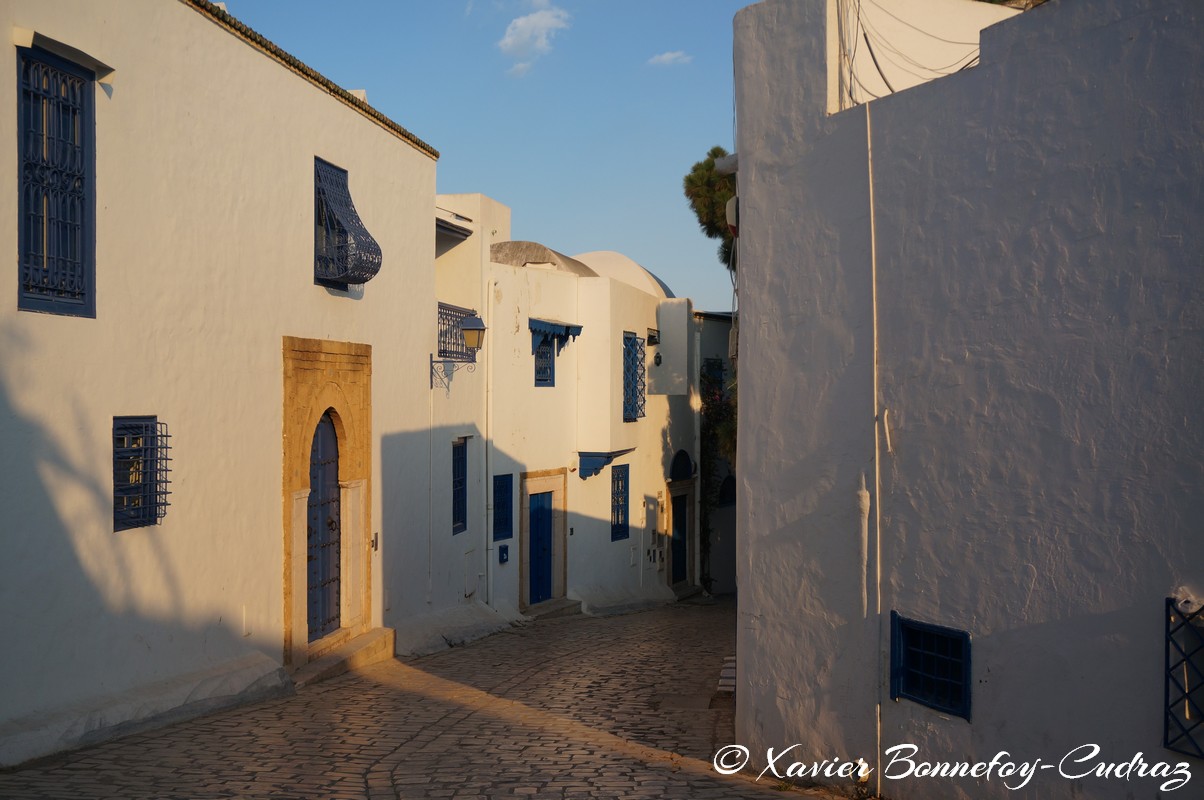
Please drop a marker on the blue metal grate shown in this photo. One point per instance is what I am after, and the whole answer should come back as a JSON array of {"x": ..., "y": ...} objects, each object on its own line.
[
  {"x": 451, "y": 338},
  {"x": 619, "y": 490},
  {"x": 545, "y": 363},
  {"x": 1183, "y": 727},
  {"x": 503, "y": 507},
  {"x": 633, "y": 377},
  {"x": 344, "y": 251},
  {"x": 140, "y": 468},
  {"x": 459, "y": 485},
  {"x": 56, "y": 206},
  {"x": 930, "y": 664}
]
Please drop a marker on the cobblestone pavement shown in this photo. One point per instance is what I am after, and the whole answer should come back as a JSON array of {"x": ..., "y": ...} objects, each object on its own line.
[{"x": 579, "y": 707}]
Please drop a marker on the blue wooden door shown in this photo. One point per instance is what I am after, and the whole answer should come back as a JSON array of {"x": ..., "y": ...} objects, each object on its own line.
[
  {"x": 681, "y": 526},
  {"x": 325, "y": 532},
  {"x": 540, "y": 558}
]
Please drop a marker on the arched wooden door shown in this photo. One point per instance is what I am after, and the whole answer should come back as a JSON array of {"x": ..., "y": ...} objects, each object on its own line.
[{"x": 324, "y": 532}]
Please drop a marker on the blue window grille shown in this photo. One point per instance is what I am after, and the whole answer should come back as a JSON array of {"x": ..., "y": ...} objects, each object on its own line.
[
  {"x": 459, "y": 485},
  {"x": 140, "y": 469},
  {"x": 633, "y": 377},
  {"x": 619, "y": 492},
  {"x": 451, "y": 337},
  {"x": 545, "y": 363},
  {"x": 503, "y": 507},
  {"x": 1183, "y": 727},
  {"x": 344, "y": 251},
  {"x": 930, "y": 664},
  {"x": 56, "y": 206}
]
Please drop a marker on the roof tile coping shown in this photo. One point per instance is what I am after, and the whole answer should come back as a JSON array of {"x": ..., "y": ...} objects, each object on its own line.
[{"x": 225, "y": 20}]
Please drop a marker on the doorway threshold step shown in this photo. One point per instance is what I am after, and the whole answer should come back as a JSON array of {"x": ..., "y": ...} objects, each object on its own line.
[
  {"x": 368, "y": 648},
  {"x": 558, "y": 607}
]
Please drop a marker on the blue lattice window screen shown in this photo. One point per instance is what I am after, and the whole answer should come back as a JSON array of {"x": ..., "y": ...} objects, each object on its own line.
[
  {"x": 503, "y": 507},
  {"x": 451, "y": 338},
  {"x": 459, "y": 485},
  {"x": 57, "y": 175},
  {"x": 140, "y": 472},
  {"x": 633, "y": 377},
  {"x": 1183, "y": 729},
  {"x": 344, "y": 251},
  {"x": 545, "y": 363},
  {"x": 619, "y": 506},
  {"x": 930, "y": 664}
]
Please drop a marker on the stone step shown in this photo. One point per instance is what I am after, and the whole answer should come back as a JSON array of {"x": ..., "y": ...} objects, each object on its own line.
[
  {"x": 557, "y": 607},
  {"x": 727, "y": 676},
  {"x": 369, "y": 648}
]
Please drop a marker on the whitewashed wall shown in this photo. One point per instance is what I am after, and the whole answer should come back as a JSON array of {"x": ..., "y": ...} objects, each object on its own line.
[
  {"x": 1025, "y": 276},
  {"x": 204, "y": 261}
]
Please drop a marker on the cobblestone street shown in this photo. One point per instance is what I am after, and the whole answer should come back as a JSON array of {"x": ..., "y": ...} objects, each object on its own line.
[{"x": 611, "y": 707}]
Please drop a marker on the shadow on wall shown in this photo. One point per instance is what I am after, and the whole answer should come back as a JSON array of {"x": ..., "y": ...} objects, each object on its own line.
[
  {"x": 428, "y": 568},
  {"x": 83, "y": 661}
]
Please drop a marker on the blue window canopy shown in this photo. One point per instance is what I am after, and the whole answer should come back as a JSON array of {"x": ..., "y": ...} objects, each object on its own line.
[
  {"x": 592, "y": 462},
  {"x": 553, "y": 330}
]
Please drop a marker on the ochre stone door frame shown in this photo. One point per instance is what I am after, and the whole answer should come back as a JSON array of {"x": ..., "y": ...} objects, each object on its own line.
[{"x": 321, "y": 376}]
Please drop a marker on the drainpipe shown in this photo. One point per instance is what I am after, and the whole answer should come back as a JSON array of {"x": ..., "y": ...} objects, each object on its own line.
[
  {"x": 878, "y": 427},
  {"x": 487, "y": 315},
  {"x": 430, "y": 489}
]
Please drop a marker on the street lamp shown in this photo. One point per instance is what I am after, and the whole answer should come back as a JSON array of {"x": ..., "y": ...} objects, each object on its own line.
[{"x": 472, "y": 331}]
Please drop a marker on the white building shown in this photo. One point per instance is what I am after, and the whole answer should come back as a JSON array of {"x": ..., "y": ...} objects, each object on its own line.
[
  {"x": 228, "y": 459},
  {"x": 971, "y": 363},
  {"x": 579, "y": 419}
]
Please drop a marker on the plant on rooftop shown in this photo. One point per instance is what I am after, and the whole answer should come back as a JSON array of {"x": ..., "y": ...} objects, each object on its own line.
[{"x": 708, "y": 194}]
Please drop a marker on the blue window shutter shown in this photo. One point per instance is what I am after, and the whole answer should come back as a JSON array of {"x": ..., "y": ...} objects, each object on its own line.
[
  {"x": 459, "y": 485},
  {"x": 57, "y": 200},
  {"x": 503, "y": 507},
  {"x": 930, "y": 664},
  {"x": 619, "y": 506}
]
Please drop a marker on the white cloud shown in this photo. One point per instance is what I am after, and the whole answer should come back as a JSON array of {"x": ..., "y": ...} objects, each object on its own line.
[
  {"x": 671, "y": 58},
  {"x": 530, "y": 36}
]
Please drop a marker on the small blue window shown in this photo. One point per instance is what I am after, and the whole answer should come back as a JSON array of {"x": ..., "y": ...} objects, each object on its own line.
[
  {"x": 633, "y": 377},
  {"x": 459, "y": 485},
  {"x": 545, "y": 363},
  {"x": 619, "y": 492},
  {"x": 140, "y": 467},
  {"x": 56, "y": 203},
  {"x": 930, "y": 664},
  {"x": 503, "y": 507}
]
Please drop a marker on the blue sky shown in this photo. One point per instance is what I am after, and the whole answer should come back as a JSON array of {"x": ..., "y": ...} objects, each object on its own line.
[{"x": 561, "y": 109}]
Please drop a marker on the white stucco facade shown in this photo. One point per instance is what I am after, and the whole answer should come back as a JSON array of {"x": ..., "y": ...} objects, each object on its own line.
[
  {"x": 204, "y": 240},
  {"x": 970, "y": 364},
  {"x": 208, "y": 319},
  {"x": 564, "y": 437}
]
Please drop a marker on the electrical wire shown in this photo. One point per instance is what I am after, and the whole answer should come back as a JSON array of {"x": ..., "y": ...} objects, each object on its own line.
[{"x": 919, "y": 30}]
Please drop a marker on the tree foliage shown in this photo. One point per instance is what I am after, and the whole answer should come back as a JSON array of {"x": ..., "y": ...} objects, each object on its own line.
[{"x": 708, "y": 194}]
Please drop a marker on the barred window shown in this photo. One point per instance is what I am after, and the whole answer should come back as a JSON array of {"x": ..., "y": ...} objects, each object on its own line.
[
  {"x": 633, "y": 377},
  {"x": 1183, "y": 725},
  {"x": 56, "y": 205},
  {"x": 930, "y": 664},
  {"x": 140, "y": 472},
  {"x": 619, "y": 492},
  {"x": 459, "y": 485},
  {"x": 344, "y": 251},
  {"x": 545, "y": 363}
]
